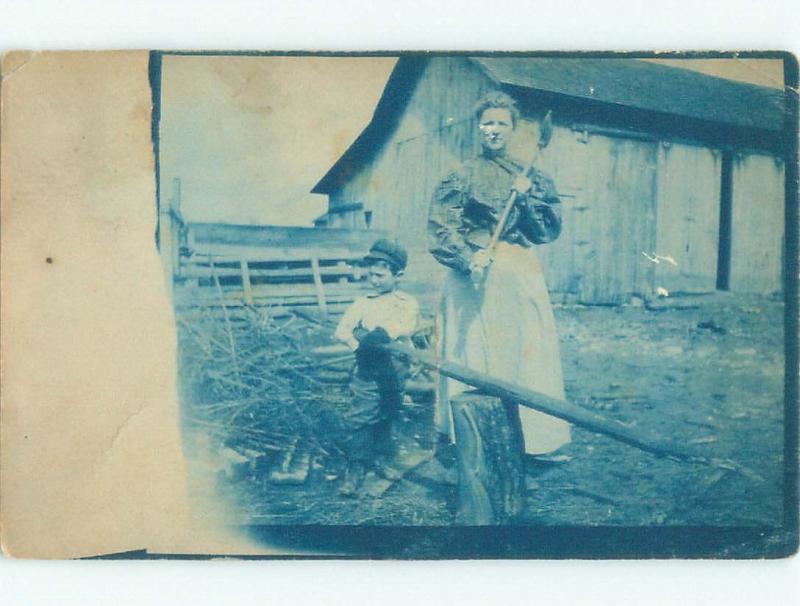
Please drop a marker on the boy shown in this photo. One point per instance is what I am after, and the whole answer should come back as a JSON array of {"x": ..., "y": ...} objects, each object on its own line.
[{"x": 378, "y": 383}]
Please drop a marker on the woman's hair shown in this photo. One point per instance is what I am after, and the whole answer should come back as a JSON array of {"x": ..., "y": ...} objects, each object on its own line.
[{"x": 496, "y": 99}]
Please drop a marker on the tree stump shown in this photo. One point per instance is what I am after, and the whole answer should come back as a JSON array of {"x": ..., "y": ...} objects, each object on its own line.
[{"x": 489, "y": 452}]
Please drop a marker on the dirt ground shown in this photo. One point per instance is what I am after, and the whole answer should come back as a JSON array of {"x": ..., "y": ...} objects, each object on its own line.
[{"x": 705, "y": 372}]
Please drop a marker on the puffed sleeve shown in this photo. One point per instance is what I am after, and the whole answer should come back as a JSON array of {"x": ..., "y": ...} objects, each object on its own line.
[
  {"x": 446, "y": 242},
  {"x": 540, "y": 220}
]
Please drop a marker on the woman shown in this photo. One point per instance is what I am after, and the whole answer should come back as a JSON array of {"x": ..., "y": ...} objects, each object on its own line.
[{"x": 496, "y": 316}]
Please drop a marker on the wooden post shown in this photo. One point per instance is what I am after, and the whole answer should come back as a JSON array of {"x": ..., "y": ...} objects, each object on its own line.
[
  {"x": 190, "y": 243},
  {"x": 342, "y": 265},
  {"x": 168, "y": 235},
  {"x": 175, "y": 226},
  {"x": 246, "y": 286},
  {"x": 323, "y": 307}
]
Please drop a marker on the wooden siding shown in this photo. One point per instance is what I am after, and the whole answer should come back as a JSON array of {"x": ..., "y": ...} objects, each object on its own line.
[
  {"x": 758, "y": 224},
  {"x": 434, "y": 134},
  {"x": 608, "y": 223},
  {"x": 607, "y": 218},
  {"x": 627, "y": 196},
  {"x": 566, "y": 160},
  {"x": 687, "y": 228}
]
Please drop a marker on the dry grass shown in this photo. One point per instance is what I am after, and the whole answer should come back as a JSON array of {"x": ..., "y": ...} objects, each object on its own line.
[
  {"x": 258, "y": 383},
  {"x": 252, "y": 380}
]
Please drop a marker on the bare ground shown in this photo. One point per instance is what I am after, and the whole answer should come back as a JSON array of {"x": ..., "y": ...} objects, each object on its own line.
[{"x": 706, "y": 372}]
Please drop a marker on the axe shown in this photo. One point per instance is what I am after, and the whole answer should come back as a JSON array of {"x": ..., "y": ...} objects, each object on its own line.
[{"x": 545, "y": 135}]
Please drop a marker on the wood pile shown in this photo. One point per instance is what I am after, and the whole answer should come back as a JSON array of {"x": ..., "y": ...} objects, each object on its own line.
[{"x": 267, "y": 383}]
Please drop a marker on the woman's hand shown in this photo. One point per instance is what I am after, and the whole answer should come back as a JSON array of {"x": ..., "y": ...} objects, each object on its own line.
[
  {"x": 478, "y": 264},
  {"x": 480, "y": 259},
  {"x": 522, "y": 184}
]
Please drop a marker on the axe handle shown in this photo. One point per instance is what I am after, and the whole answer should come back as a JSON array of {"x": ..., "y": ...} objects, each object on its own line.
[
  {"x": 545, "y": 133},
  {"x": 512, "y": 198},
  {"x": 501, "y": 223}
]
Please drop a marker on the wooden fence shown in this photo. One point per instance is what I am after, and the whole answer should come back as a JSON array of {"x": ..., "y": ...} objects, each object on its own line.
[{"x": 263, "y": 265}]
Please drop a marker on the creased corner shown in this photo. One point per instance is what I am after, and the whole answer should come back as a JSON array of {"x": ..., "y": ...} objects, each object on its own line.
[{"x": 14, "y": 61}]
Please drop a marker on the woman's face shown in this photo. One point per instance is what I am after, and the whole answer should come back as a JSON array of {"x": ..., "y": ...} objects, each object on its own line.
[{"x": 495, "y": 126}]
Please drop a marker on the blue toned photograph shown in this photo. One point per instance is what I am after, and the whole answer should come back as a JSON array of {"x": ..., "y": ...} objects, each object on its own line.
[{"x": 512, "y": 305}]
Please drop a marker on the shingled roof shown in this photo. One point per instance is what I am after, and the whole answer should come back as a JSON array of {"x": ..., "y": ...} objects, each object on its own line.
[
  {"x": 644, "y": 85},
  {"x": 624, "y": 83}
]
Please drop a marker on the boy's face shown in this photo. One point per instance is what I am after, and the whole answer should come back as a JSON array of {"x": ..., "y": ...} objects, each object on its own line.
[{"x": 381, "y": 278}]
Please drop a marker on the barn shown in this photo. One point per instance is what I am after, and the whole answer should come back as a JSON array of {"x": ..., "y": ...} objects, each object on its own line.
[{"x": 670, "y": 179}]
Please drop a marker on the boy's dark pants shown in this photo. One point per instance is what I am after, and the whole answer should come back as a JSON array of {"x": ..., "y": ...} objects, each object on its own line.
[{"x": 377, "y": 387}]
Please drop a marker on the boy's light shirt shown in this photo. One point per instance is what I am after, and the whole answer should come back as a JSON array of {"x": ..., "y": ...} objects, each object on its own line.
[{"x": 396, "y": 312}]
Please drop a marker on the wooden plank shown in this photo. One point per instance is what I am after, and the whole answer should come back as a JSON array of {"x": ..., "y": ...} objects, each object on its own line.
[
  {"x": 194, "y": 297},
  {"x": 376, "y": 486},
  {"x": 287, "y": 290},
  {"x": 619, "y": 220},
  {"x": 334, "y": 306},
  {"x": 238, "y": 313},
  {"x": 246, "y": 287},
  {"x": 292, "y": 466},
  {"x": 271, "y": 236},
  {"x": 566, "y": 161},
  {"x": 758, "y": 224},
  {"x": 318, "y": 286},
  {"x": 620, "y": 133},
  {"x": 687, "y": 229},
  {"x": 201, "y": 269},
  {"x": 637, "y": 437},
  {"x": 230, "y": 253},
  {"x": 207, "y": 294}
]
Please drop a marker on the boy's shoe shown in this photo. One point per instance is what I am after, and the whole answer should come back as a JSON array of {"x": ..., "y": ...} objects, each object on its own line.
[
  {"x": 352, "y": 480},
  {"x": 385, "y": 470},
  {"x": 445, "y": 452},
  {"x": 434, "y": 471}
]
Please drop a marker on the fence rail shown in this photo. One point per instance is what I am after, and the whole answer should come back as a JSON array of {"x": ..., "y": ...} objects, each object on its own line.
[{"x": 260, "y": 268}]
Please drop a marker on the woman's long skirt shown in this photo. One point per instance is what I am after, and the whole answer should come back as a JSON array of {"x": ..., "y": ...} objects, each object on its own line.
[{"x": 505, "y": 329}]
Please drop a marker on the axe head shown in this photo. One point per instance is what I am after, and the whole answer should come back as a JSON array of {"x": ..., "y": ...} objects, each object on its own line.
[{"x": 546, "y": 130}]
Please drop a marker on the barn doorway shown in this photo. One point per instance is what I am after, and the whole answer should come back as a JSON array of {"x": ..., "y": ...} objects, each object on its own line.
[{"x": 725, "y": 223}]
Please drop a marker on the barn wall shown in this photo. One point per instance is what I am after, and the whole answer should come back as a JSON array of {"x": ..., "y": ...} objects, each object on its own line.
[
  {"x": 435, "y": 133},
  {"x": 758, "y": 224},
  {"x": 687, "y": 229},
  {"x": 625, "y": 198},
  {"x": 607, "y": 224},
  {"x": 608, "y": 211},
  {"x": 351, "y": 193}
]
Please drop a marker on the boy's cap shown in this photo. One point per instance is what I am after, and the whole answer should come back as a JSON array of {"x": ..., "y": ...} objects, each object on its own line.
[{"x": 389, "y": 252}]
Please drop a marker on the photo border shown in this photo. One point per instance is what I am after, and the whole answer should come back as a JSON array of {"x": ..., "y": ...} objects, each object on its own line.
[{"x": 555, "y": 542}]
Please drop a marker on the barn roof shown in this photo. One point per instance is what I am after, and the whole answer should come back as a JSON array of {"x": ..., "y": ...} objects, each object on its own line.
[
  {"x": 625, "y": 83},
  {"x": 644, "y": 85}
]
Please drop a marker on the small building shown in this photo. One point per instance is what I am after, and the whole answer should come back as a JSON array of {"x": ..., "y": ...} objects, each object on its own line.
[
  {"x": 669, "y": 178},
  {"x": 233, "y": 267}
]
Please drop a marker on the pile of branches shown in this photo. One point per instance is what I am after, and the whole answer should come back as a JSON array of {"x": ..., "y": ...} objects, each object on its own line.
[{"x": 252, "y": 380}]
